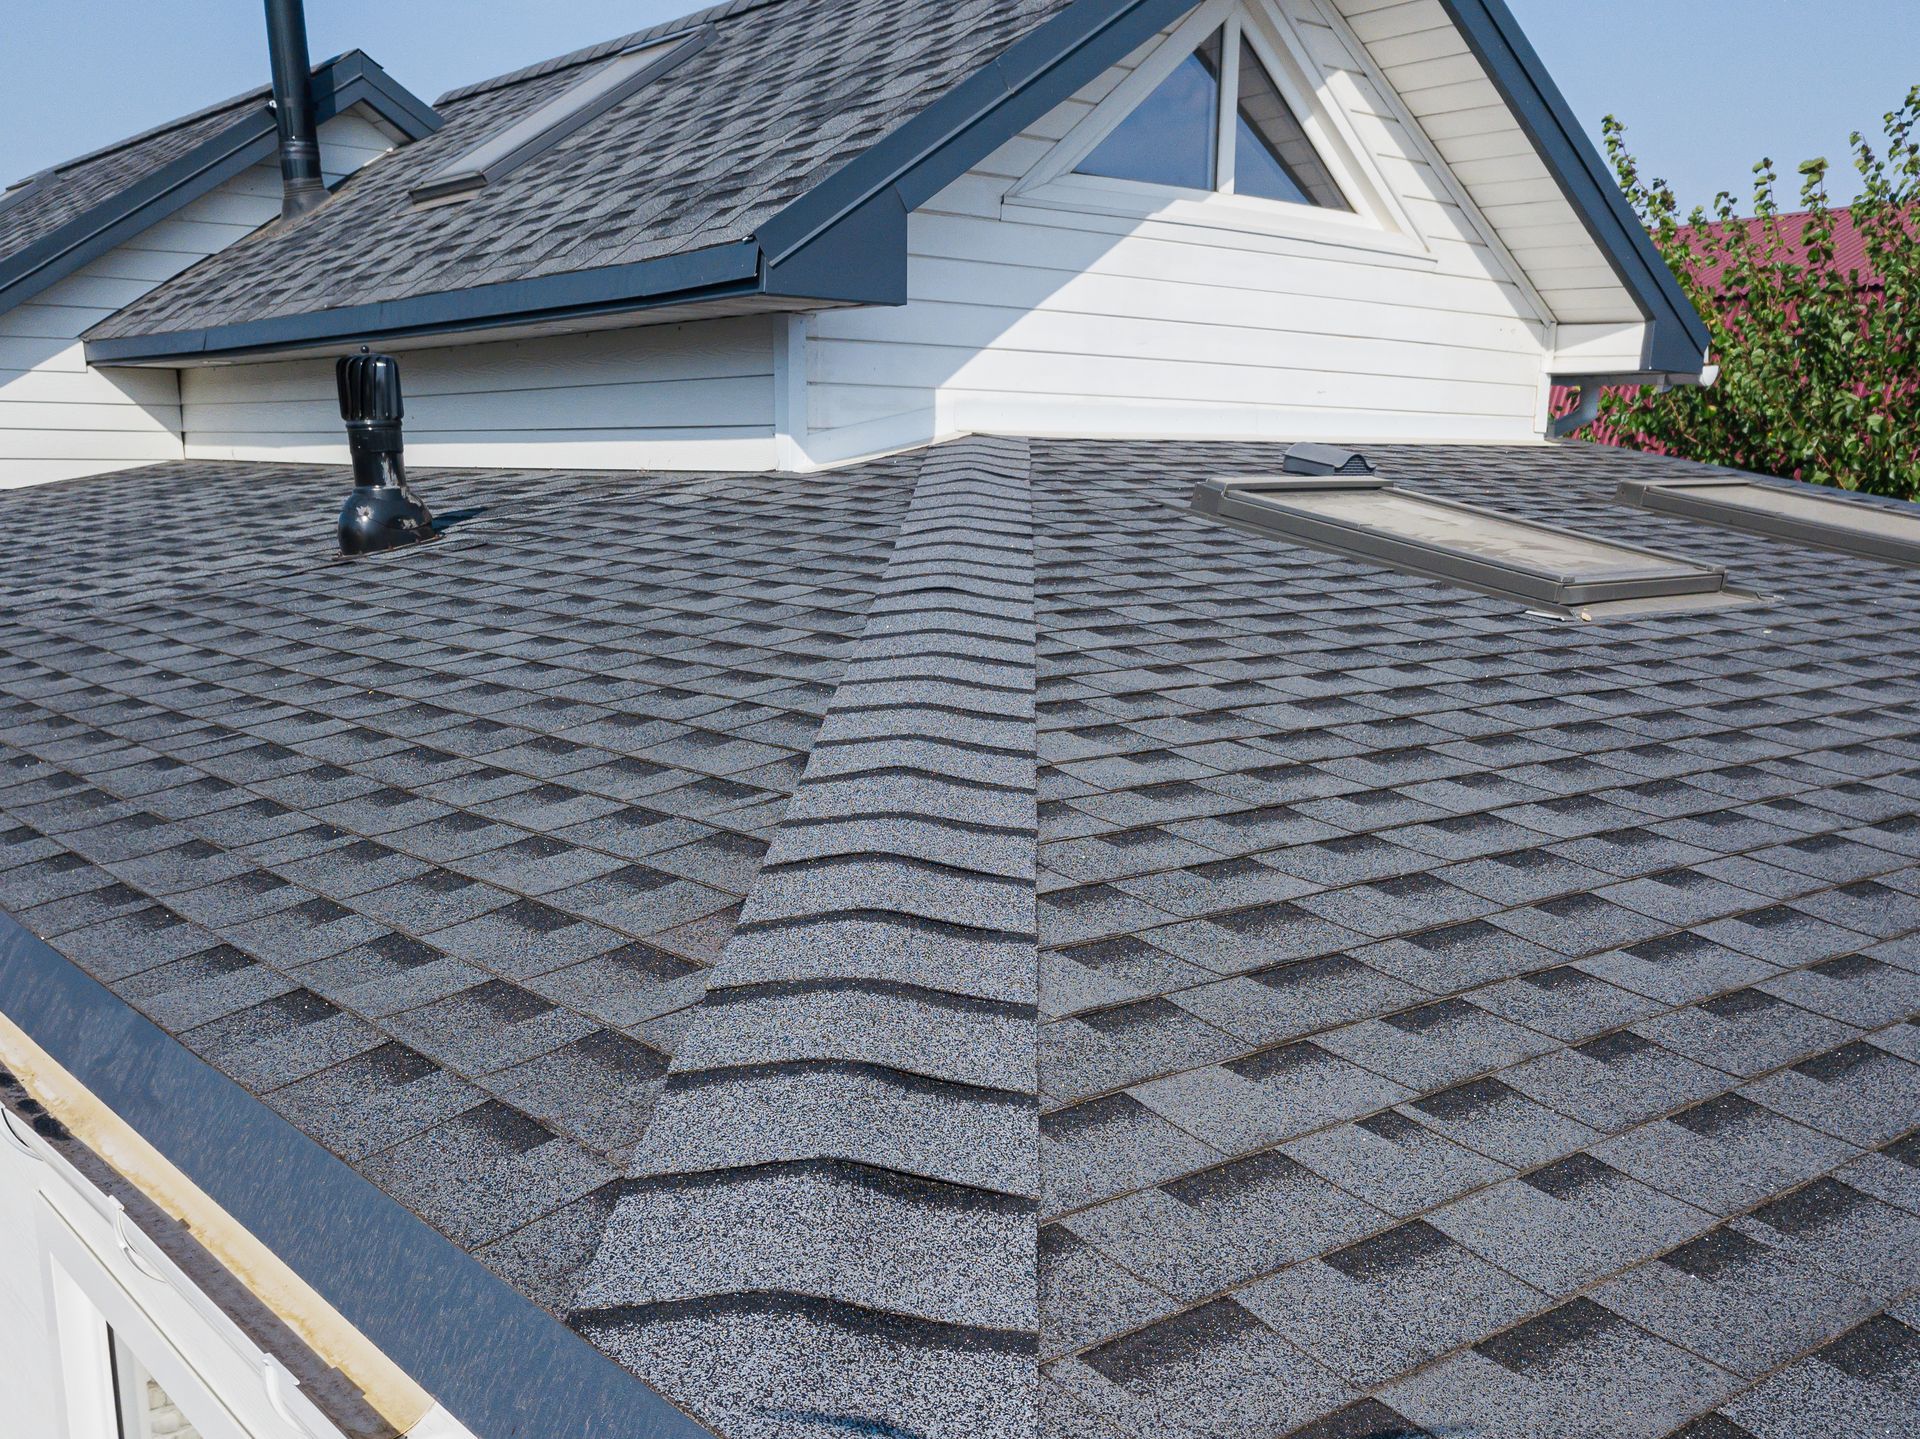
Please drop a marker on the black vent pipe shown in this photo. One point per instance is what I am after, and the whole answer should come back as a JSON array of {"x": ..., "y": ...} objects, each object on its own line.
[
  {"x": 381, "y": 513},
  {"x": 301, "y": 184}
]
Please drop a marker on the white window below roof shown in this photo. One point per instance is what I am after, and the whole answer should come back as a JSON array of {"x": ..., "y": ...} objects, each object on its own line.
[{"x": 1228, "y": 123}]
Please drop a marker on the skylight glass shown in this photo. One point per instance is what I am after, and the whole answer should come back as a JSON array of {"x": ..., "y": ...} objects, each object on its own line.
[
  {"x": 1788, "y": 510},
  {"x": 586, "y": 99},
  {"x": 1272, "y": 156},
  {"x": 1174, "y": 136},
  {"x": 1543, "y": 565}
]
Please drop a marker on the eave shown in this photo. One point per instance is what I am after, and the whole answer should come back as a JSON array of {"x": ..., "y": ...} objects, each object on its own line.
[
  {"x": 845, "y": 241},
  {"x": 504, "y": 1367},
  {"x": 349, "y": 80}
]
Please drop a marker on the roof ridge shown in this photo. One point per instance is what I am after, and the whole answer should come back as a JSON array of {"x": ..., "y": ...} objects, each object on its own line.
[{"x": 912, "y": 1080}]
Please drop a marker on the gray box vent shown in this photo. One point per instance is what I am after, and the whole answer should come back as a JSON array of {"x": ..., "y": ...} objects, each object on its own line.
[
  {"x": 1307, "y": 459},
  {"x": 1788, "y": 510},
  {"x": 1542, "y": 565}
]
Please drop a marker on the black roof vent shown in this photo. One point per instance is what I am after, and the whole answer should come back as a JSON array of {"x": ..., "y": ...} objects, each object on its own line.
[
  {"x": 381, "y": 513},
  {"x": 1324, "y": 460}
]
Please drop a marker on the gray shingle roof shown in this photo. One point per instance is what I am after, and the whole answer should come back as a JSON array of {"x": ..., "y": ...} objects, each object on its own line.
[
  {"x": 785, "y": 95},
  {"x": 40, "y": 204},
  {"x": 57, "y": 221},
  {"x": 968, "y": 948}
]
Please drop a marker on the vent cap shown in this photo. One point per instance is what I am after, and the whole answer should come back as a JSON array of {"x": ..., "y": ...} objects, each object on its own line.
[{"x": 1324, "y": 460}]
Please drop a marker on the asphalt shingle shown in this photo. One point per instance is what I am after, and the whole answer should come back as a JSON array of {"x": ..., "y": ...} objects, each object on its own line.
[{"x": 978, "y": 836}]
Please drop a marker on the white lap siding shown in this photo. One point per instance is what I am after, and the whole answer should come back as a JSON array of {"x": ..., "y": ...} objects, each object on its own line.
[
  {"x": 1045, "y": 321},
  {"x": 686, "y": 397},
  {"x": 58, "y": 418}
]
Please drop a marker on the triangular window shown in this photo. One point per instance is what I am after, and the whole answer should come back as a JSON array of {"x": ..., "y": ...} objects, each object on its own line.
[
  {"x": 1272, "y": 156},
  {"x": 1173, "y": 137},
  {"x": 1184, "y": 134}
]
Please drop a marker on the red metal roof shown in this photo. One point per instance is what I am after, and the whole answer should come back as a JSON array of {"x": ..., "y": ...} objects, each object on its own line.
[{"x": 1850, "y": 246}]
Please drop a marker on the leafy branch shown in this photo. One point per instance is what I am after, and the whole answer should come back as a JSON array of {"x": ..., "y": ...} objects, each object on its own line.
[{"x": 1820, "y": 371}]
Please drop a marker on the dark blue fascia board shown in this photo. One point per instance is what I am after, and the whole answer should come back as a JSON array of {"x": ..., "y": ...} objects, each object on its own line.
[
  {"x": 1678, "y": 338},
  {"x": 844, "y": 241},
  {"x": 976, "y": 117},
  {"x": 138, "y": 208},
  {"x": 340, "y": 84},
  {"x": 357, "y": 78},
  {"x": 718, "y": 272},
  {"x": 501, "y": 1365}
]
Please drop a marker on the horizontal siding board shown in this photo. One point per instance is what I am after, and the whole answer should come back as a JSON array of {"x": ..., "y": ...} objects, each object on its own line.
[
  {"x": 669, "y": 404},
  {"x": 61, "y": 420},
  {"x": 679, "y": 396},
  {"x": 47, "y": 443},
  {"x": 743, "y": 450},
  {"x": 1016, "y": 307},
  {"x": 1132, "y": 377},
  {"x": 16, "y": 474}
]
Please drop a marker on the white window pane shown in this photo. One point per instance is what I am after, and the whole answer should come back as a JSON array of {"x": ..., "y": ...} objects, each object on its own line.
[
  {"x": 1170, "y": 139},
  {"x": 1273, "y": 158},
  {"x": 145, "y": 1410}
]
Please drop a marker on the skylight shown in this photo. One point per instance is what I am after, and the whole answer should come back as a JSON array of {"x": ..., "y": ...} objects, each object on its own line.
[
  {"x": 1788, "y": 511},
  {"x": 588, "y": 98},
  {"x": 1184, "y": 134},
  {"x": 1542, "y": 565}
]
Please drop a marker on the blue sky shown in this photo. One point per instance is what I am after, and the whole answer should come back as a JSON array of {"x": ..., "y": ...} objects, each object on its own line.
[{"x": 1707, "y": 86}]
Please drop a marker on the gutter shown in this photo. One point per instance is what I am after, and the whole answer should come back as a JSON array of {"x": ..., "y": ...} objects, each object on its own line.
[
  {"x": 502, "y": 1366},
  {"x": 1588, "y": 390}
]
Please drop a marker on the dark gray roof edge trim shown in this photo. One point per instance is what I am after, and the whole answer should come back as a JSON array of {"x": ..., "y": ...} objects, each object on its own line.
[
  {"x": 719, "y": 272},
  {"x": 975, "y": 117},
  {"x": 844, "y": 241},
  {"x": 1678, "y": 339},
  {"x": 349, "y": 80},
  {"x": 500, "y": 1364}
]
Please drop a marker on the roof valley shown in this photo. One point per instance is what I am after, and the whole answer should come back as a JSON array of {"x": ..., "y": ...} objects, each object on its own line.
[{"x": 860, "y": 1078}]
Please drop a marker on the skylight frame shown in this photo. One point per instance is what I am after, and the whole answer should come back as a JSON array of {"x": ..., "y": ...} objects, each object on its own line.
[
  {"x": 1664, "y": 580},
  {"x": 1710, "y": 500},
  {"x": 24, "y": 189},
  {"x": 499, "y": 154}
]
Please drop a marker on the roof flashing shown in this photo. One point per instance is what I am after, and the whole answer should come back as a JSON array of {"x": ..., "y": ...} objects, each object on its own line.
[
  {"x": 1786, "y": 510},
  {"x": 605, "y": 85},
  {"x": 1371, "y": 519}
]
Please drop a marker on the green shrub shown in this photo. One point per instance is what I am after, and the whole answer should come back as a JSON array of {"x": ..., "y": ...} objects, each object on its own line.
[{"x": 1819, "y": 375}]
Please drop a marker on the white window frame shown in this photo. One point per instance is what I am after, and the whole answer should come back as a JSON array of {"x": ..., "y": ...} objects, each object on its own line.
[
  {"x": 1377, "y": 222},
  {"x": 99, "y": 1273}
]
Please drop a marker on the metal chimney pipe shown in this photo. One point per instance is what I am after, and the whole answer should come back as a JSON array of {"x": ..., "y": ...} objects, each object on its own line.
[
  {"x": 302, "y": 187},
  {"x": 381, "y": 513}
]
